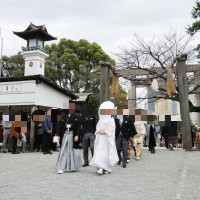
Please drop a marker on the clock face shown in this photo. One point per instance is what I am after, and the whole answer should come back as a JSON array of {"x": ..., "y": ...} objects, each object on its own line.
[{"x": 30, "y": 64}]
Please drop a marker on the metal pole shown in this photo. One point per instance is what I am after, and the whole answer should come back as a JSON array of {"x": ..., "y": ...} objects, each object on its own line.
[
  {"x": 1, "y": 51},
  {"x": 184, "y": 103}
]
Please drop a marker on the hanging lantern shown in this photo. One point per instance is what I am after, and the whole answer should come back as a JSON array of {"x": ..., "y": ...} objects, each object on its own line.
[
  {"x": 170, "y": 82},
  {"x": 115, "y": 86},
  {"x": 154, "y": 85}
]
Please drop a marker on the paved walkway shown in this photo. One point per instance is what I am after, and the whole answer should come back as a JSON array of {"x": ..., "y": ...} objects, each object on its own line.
[{"x": 164, "y": 175}]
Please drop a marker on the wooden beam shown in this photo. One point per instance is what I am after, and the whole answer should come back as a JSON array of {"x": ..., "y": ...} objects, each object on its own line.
[{"x": 157, "y": 70}]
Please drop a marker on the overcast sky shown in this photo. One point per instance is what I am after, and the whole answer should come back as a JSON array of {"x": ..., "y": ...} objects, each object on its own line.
[{"x": 110, "y": 23}]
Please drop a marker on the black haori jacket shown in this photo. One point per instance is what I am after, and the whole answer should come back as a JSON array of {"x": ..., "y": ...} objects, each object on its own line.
[
  {"x": 74, "y": 120},
  {"x": 88, "y": 124},
  {"x": 127, "y": 128}
]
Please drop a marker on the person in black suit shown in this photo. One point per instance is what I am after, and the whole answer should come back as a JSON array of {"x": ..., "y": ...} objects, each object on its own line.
[
  {"x": 124, "y": 131},
  {"x": 88, "y": 128},
  {"x": 130, "y": 142}
]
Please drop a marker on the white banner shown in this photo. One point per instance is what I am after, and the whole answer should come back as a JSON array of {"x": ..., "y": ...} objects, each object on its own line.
[{"x": 10, "y": 87}]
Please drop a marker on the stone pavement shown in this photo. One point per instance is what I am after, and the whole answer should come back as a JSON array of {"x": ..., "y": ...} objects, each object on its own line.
[{"x": 164, "y": 175}]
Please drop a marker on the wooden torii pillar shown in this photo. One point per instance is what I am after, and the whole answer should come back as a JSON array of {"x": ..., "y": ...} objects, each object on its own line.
[
  {"x": 183, "y": 99},
  {"x": 105, "y": 82},
  {"x": 132, "y": 99}
]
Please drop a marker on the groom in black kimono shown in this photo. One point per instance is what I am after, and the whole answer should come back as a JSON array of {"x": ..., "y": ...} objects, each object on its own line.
[{"x": 69, "y": 117}]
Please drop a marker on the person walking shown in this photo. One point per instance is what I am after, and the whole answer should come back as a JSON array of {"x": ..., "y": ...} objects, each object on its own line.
[
  {"x": 123, "y": 134},
  {"x": 69, "y": 158},
  {"x": 39, "y": 136},
  {"x": 130, "y": 141},
  {"x": 47, "y": 130},
  {"x": 172, "y": 134},
  {"x": 14, "y": 134},
  {"x": 88, "y": 128},
  {"x": 138, "y": 139},
  {"x": 6, "y": 132},
  {"x": 151, "y": 137},
  {"x": 164, "y": 135},
  {"x": 197, "y": 139},
  {"x": 105, "y": 152}
]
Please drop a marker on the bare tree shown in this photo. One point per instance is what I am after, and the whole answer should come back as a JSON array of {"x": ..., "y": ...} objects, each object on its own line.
[{"x": 152, "y": 59}]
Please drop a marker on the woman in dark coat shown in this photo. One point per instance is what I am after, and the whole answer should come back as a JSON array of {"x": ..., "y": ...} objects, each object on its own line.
[
  {"x": 164, "y": 135},
  {"x": 172, "y": 134},
  {"x": 152, "y": 140},
  {"x": 151, "y": 137}
]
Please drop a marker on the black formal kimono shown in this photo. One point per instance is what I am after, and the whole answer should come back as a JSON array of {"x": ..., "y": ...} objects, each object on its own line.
[
  {"x": 69, "y": 158},
  {"x": 74, "y": 120}
]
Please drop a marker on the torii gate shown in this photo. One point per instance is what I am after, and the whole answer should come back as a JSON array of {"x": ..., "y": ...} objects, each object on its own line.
[{"x": 130, "y": 74}]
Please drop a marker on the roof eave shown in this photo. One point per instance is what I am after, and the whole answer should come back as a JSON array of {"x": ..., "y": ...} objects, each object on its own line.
[{"x": 43, "y": 79}]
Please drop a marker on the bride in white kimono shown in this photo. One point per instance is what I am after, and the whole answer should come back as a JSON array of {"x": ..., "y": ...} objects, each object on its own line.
[{"x": 105, "y": 153}]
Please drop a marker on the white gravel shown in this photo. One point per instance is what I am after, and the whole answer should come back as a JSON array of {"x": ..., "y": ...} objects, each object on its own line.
[{"x": 166, "y": 175}]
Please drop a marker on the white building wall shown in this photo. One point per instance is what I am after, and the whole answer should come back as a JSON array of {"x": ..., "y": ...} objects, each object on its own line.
[
  {"x": 174, "y": 108},
  {"x": 193, "y": 115},
  {"x": 50, "y": 97},
  {"x": 17, "y": 93},
  {"x": 163, "y": 107},
  {"x": 37, "y": 59},
  {"x": 30, "y": 93}
]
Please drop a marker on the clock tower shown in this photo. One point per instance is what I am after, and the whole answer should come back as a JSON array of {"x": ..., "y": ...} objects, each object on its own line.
[{"x": 34, "y": 53}]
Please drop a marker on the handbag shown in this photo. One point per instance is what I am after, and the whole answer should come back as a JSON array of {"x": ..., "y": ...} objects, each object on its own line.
[
  {"x": 20, "y": 136},
  {"x": 19, "y": 143},
  {"x": 55, "y": 139}
]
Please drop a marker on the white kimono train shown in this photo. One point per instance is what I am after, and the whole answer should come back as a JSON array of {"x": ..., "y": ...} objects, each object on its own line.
[{"x": 105, "y": 153}]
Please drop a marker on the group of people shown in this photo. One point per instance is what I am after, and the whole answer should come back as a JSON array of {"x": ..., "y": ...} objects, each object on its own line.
[
  {"x": 45, "y": 129},
  {"x": 173, "y": 137},
  {"x": 108, "y": 139},
  {"x": 14, "y": 135}
]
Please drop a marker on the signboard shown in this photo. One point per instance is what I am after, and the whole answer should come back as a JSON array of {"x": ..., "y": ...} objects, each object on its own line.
[{"x": 10, "y": 87}]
